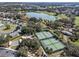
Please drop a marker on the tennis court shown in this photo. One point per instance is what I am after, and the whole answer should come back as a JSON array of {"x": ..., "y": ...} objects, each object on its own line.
[
  {"x": 43, "y": 35},
  {"x": 40, "y": 35},
  {"x": 47, "y": 34},
  {"x": 47, "y": 40}
]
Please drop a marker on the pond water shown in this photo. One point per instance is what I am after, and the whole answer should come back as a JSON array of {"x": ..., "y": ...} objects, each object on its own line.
[{"x": 41, "y": 15}]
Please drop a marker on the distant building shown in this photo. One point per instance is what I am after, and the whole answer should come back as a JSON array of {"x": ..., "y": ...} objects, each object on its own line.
[{"x": 1, "y": 25}]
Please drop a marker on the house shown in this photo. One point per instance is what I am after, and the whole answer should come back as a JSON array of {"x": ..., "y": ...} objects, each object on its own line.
[
  {"x": 13, "y": 34},
  {"x": 1, "y": 18},
  {"x": 7, "y": 52},
  {"x": 67, "y": 33}
]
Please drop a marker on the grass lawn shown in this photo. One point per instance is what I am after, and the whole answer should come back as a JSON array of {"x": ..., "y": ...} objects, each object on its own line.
[
  {"x": 14, "y": 47},
  {"x": 76, "y": 43},
  {"x": 43, "y": 25},
  {"x": 12, "y": 28},
  {"x": 45, "y": 12},
  {"x": 61, "y": 16},
  {"x": 52, "y": 31},
  {"x": 11, "y": 39},
  {"x": 77, "y": 21},
  {"x": 16, "y": 38}
]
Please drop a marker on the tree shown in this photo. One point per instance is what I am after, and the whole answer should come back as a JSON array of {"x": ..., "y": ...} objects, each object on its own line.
[
  {"x": 34, "y": 26},
  {"x": 33, "y": 19},
  {"x": 14, "y": 17},
  {"x": 54, "y": 24},
  {"x": 8, "y": 38},
  {"x": 38, "y": 27},
  {"x": 27, "y": 30},
  {"x": 18, "y": 16},
  {"x": 49, "y": 51},
  {"x": 23, "y": 31},
  {"x": 31, "y": 28},
  {"x": 22, "y": 52},
  {"x": 30, "y": 43},
  {"x": 72, "y": 50},
  {"x": 26, "y": 45}
]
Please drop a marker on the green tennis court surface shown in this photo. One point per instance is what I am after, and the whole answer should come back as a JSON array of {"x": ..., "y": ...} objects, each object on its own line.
[
  {"x": 43, "y": 35},
  {"x": 47, "y": 40}
]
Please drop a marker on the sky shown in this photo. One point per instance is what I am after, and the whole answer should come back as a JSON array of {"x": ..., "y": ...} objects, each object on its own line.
[{"x": 39, "y": 0}]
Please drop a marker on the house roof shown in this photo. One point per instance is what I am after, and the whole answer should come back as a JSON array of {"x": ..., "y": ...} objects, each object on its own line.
[
  {"x": 6, "y": 52},
  {"x": 67, "y": 33}
]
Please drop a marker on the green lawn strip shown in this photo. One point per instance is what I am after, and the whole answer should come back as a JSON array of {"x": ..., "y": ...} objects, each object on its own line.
[
  {"x": 52, "y": 31},
  {"x": 45, "y": 12},
  {"x": 77, "y": 20},
  {"x": 76, "y": 43},
  {"x": 61, "y": 16},
  {"x": 16, "y": 38},
  {"x": 14, "y": 47},
  {"x": 12, "y": 27},
  {"x": 11, "y": 39}
]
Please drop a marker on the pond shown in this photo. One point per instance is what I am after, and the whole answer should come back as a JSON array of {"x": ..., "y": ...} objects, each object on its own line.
[{"x": 42, "y": 16}]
